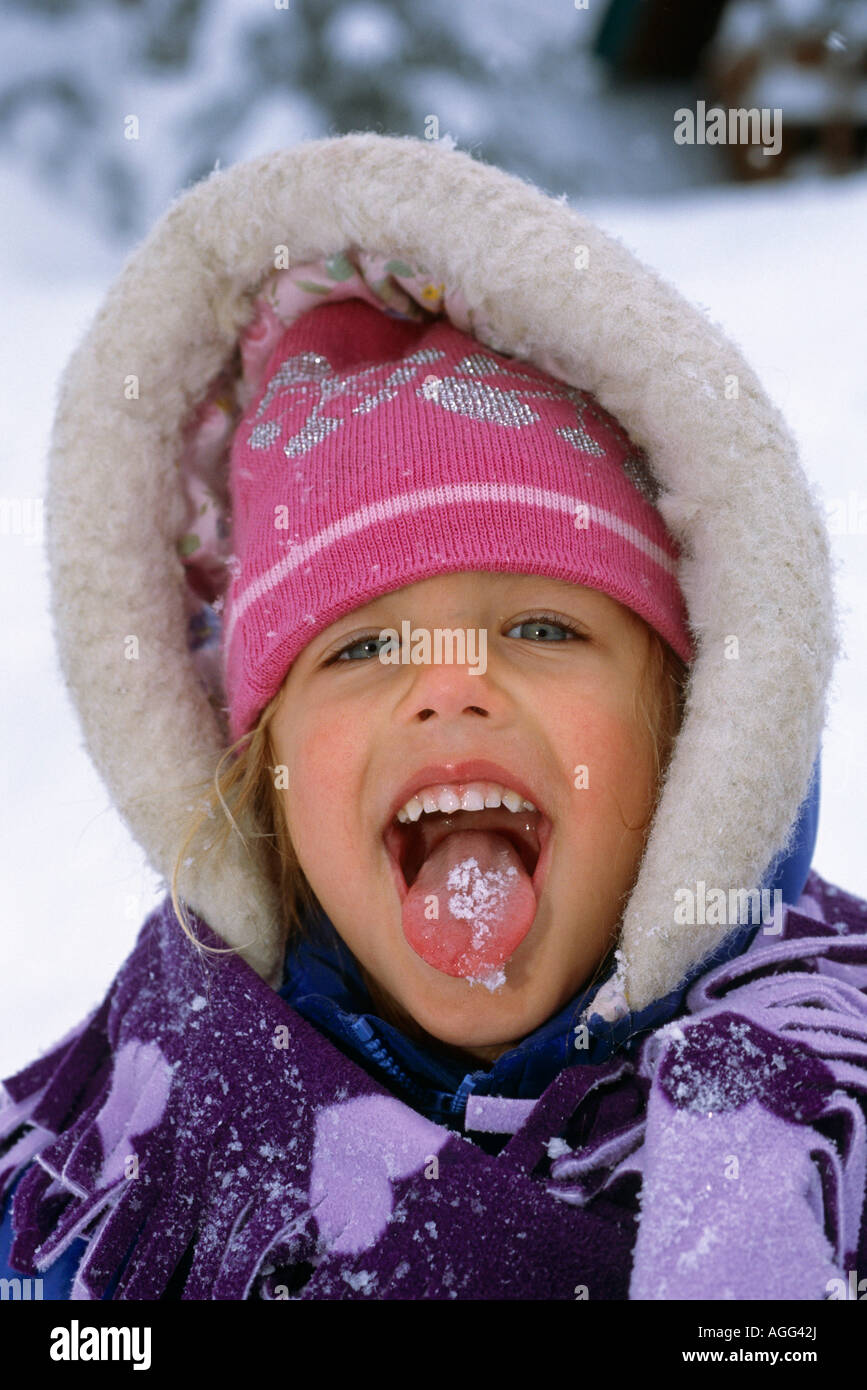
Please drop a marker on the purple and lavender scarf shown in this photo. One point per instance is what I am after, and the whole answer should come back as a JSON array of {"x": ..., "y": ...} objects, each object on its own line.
[{"x": 210, "y": 1143}]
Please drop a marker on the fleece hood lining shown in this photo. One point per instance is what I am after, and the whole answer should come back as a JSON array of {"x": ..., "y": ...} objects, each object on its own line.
[{"x": 755, "y": 555}]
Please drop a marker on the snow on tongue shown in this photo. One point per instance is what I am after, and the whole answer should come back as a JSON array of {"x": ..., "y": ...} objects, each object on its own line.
[{"x": 485, "y": 904}]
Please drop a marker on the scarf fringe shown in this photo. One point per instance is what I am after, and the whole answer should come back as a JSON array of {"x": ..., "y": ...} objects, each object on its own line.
[
  {"x": 824, "y": 1013},
  {"x": 38, "y": 1099},
  {"x": 120, "y": 1156}
]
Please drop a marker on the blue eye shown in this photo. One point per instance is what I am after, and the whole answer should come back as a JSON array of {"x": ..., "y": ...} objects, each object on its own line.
[
  {"x": 542, "y": 620},
  {"x": 536, "y": 622},
  {"x": 370, "y": 641}
]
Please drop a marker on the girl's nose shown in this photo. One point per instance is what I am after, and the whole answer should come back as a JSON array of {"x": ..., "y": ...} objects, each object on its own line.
[{"x": 449, "y": 691}]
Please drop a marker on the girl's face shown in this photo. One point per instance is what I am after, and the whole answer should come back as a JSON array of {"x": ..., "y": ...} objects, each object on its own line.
[{"x": 555, "y": 706}]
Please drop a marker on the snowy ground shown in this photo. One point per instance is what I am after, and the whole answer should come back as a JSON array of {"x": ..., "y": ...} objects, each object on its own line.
[{"x": 781, "y": 268}]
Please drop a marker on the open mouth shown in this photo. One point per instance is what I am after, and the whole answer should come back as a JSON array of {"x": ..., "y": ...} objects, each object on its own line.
[{"x": 410, "y": 844}]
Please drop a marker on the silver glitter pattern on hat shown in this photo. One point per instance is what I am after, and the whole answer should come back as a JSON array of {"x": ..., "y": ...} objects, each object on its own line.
[
  {"x": 637, "y": 469},
  {"x": 262, "y": 435},
  {"x": 577, "y": 436},
  {"x": 480, "y": 401},
  {"x": 463, "y": 393},
  {"x": 311, "y": 373},
  {"x": 305, "y": 367}
]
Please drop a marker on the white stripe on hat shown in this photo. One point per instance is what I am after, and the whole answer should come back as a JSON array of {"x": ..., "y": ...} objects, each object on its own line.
[{"x": 387, "y": 508}]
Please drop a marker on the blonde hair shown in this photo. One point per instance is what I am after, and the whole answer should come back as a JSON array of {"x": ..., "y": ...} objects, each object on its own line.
[
  {"x": 246, "y": 790},
  {"x": 659, "y": 701}
]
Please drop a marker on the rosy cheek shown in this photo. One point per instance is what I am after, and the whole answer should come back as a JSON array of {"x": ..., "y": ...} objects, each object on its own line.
[
  {"x": 324, "y": 775},
  {"x": 313, "y": 741},
  {"x": 609, "y": 768},
  {"x": 595, "y": 736}
]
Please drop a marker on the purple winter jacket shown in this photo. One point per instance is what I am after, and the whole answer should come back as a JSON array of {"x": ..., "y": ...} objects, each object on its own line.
[{"x": 211, "y": 1144}]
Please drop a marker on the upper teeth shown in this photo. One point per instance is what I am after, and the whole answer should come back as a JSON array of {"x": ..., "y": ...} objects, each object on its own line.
[{"x": 469, "y": 796}]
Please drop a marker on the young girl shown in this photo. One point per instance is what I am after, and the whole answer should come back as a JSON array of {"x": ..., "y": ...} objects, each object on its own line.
[{"x": 455, "y": 634}]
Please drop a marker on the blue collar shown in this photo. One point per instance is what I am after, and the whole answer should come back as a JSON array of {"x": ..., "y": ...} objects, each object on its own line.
[{"x": 323, "y": 984}]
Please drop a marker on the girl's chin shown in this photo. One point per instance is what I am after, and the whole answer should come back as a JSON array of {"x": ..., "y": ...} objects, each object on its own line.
[{"x": 468, "y": 1017}]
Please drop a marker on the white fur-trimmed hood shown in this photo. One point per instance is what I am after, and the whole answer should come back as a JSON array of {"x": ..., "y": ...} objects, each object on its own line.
[{"x": 756, "y": 557}]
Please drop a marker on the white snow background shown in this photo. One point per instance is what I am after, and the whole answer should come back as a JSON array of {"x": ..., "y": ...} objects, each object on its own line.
[{"x": 780, "y": 267}]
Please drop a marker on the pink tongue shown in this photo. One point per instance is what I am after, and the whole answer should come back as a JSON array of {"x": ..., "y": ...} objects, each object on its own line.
[{"x": 471, "y": 905}]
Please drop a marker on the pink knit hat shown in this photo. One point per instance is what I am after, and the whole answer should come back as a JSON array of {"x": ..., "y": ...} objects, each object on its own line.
[{"x": 382, "y": 451}]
